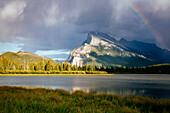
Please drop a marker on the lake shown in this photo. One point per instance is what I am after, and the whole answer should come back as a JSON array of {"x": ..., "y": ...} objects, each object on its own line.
[{"x": 157, "y": 86}]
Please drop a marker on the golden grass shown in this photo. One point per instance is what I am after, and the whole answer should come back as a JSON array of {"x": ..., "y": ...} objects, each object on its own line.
[{"x": 25, "y": 100}]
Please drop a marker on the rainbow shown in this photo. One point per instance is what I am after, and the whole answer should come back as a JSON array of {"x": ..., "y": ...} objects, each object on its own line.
[{"x": 143, "y": 20}]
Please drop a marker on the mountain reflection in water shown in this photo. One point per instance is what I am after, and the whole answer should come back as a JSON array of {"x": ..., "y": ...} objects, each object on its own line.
[
  {"x": 157, "y": 86},
  {"x": 122, "y": 92}
]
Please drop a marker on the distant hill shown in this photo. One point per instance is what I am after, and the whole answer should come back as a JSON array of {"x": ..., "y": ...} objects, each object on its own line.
[
  {"x": 28, "y": 57},
  {"x": 24, "y": 61},
  {"x": 59, "y": 61},
  {"x": 100, "y": 48}
]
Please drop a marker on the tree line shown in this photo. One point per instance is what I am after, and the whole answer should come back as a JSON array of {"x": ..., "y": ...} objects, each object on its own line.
[
  {"x": 49, "y": 65},
  {"x": 155, "y": 69},
  {"x": 40, "y": 65}
]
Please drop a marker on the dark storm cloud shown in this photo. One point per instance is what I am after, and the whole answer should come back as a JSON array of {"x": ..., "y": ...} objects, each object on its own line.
[
  {"x": 157, "y": 14},
  {"x": 63, "y": 24}
]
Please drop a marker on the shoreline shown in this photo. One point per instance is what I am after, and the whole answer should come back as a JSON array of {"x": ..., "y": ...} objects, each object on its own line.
[
  {"x": 48, "y": 74},
  {"x": 71, "y": 74},
  {"x": 49, "y": 88}
]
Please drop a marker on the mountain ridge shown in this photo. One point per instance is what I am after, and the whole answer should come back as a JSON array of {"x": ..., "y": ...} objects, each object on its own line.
[{"x": 100, "y": 48}]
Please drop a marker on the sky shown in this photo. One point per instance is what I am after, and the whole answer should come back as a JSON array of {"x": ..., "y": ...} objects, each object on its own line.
[{"x": 52, "y": 28}]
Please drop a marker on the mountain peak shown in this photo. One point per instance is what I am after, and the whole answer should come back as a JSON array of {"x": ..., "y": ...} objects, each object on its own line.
[
  {"x": 122, "y": 40},
  {"x": 92, "y": 33},
  {"x": 102, "y": 36},
  {"x": 23, "y": 53},
  {"x": 94, "y": 37},
  {"x": 19, "y": 51}
]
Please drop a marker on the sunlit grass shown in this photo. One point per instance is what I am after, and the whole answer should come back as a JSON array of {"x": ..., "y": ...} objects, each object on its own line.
[
  {"x": 50, "y": 72},
  {"x": 22, "y": 100}
]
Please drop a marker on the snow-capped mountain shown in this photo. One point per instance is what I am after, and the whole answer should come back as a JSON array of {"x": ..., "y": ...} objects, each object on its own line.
[{"x": 100, "y": 48}]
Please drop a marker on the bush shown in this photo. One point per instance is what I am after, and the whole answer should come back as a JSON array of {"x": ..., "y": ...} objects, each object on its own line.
[{"x": 96, "y": 72}]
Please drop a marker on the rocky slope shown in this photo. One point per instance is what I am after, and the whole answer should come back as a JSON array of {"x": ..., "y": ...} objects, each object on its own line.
[{"x": 100, "y": 48}]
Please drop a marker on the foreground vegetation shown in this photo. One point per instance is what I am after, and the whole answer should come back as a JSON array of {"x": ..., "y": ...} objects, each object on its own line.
[{"x": 22, "y": 100}]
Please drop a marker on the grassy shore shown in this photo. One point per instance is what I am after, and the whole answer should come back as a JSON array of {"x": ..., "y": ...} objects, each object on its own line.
[
  {"x": 28, "y": 72},
  {"x": 49, "y": 74},
  {"x": 24, "y": 100}
]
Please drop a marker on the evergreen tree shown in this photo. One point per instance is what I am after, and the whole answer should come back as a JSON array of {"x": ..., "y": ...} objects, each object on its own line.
[
  {"x": 102, "y": 68},
  {"x": 6, "y": 63},
  {"x": 74, "y": 68},
  {"x": 56, "y": 67},
  {"x": 31, "y": 65},
  {"x": 35, "y": 68},
  {"x": 1, "y": 64},
  {"x": 65, "y": 66},
  {"x": 61, "y": 66},
  {"x": 90, "y": 68},
  {"x": 16, "y": 63},
  {"x": 45, "y": 67},
  {"x": 49, "y": 65},
  {"x": 69, "y": 69},
  {"x": 86, "y": 67},
  {"x": 39, "y": 64},
  {"x": 94, "y": 68},
  {"x": 79, "y": 68}
]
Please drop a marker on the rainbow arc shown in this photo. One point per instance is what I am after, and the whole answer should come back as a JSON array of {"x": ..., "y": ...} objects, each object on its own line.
[{"x": 137, "y": 13}]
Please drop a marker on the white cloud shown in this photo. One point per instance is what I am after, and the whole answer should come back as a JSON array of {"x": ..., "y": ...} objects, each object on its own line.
[
  {"x": 51, "y": 15},
  {"x": 58, "y": 58},
  {"x": 161, "y": 5},
  {"x": 52, "y": 52},
  {"x": 61, "y": 54},
  {"x": 13, "y": 11}
]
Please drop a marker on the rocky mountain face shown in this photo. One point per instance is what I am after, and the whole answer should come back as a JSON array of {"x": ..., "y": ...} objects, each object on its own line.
[{"x": 100, "y": 48}]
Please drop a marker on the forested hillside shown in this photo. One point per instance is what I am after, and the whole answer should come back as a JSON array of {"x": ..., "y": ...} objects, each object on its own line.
[{"x": 29, "y": 61}]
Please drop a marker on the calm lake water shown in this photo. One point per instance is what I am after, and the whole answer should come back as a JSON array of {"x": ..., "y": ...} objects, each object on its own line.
[{"x": 157, "y": 86}]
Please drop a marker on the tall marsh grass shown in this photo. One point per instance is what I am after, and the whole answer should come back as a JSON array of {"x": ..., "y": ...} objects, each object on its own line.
[{"x": 22, "y": 100}]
